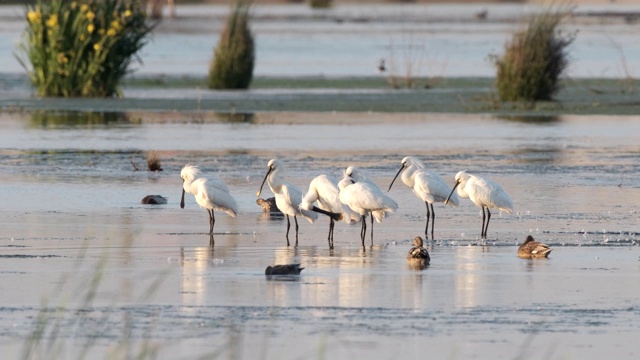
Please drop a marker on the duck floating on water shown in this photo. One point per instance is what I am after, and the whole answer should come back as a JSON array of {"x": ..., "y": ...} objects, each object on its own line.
[
  {"x": 287, "y": 269},
  {"x": 418, "y": 254},
  {"x": 532, "y": 249},
  {"x": 153, "y": 200}
]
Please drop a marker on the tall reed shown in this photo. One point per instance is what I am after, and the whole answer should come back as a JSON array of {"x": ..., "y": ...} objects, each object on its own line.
[
  {"x": 82, "y": 48},
  {"x": 234, "y": 57},
  {"x": 534, "y": 59}
]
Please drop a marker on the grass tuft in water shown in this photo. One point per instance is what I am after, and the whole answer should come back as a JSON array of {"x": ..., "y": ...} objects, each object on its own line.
[{"x": 535, "y": 59}]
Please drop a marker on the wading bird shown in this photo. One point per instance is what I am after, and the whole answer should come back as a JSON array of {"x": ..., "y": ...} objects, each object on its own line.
[
  {"x": 426, "y": 185},
  {"x": 418, "y": 255},
  {"x": 288, "y": 196},
  {"x": 365, "y": 199},
  {"x": 484, "y": 193},
  {"x": 531, "y": 249},
  {"x": 211, "y": 194},
  {"x": 325, "y": 192}
]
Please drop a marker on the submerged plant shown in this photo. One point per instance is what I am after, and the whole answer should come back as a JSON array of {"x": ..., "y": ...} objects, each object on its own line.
[
  {"x": 82, "y": 48},
  {"x": 534, "y": 59},
  {"x": 234, "y": 57}
]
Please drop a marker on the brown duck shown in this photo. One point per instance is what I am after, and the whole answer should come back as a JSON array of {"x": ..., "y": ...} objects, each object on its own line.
[
  {"x": 418, "y": 254},
  {"x": 532, "y": 249}
]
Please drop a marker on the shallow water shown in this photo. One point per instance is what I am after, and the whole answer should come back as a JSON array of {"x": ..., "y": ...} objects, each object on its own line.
[{"x": 71, "y": 218}]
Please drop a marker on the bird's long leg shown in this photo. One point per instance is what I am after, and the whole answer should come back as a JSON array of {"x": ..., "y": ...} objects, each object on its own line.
[
  {"x": 211, "y": 241},
  {"x": 372, "y": 229},
  {"x": 213, "y": 220},
  {"x": 330, "y": 238},
  {"x": 433, "y": 221},
  {"x": 210, "y": 213},
  {"x": 363, "y": 229},
  {"x": 483, "y": 219},
  {"x": 295, "y": 218},
  {"x": 288, "y": 226},
  {"x": 426, "y": 229},
  {"x": 486, "y": 227}
]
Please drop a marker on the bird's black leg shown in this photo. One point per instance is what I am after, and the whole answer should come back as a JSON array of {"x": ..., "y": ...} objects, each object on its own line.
[
  {"x": 433, "y": 221},
  {"x": 486, "y": 227},
  {"x": 363, "y": 229},
  {"x": 211, "y": 241},
  {"x": 426, "y": 229},
  {"x": 296, "y": 220},
  {"x": 330, "y": 238},
  {"x": 483, "y": 219},
  {"x": 288, "y": 226},
  {"x": 210, "y": 213},
  {"x": 371, "y": 229}
]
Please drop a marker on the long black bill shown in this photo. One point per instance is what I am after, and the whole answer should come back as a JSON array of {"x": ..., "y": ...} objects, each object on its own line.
[
  {"x": 395, "y": 177},
  {"x": 451, "y": 193},
  {"x": 182, "y": 200},
  {"x": 334, "y": 216},
  {"x": 263, "y": 181}
]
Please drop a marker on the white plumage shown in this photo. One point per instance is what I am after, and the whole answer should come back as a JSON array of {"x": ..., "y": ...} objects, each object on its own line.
[
  {"x": 484, "y": 193},
  {"x": 324, "y": 191},
  {"x": 426, "y": 185},
  {"x": 288, "y": 196},
  {"x": 210, "y": 193},
  {"x": 365, "y": 198}
]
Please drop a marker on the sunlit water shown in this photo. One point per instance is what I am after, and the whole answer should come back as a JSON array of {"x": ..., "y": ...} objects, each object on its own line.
[{"x": 71, "y": 211}]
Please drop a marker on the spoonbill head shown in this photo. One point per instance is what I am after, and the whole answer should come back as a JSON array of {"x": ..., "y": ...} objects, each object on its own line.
[
  {"x": 427, "y": 185},
  {"x": 288, "y": 196},
  {"x": 211, "y": 194},
  {"x": 484, "y": 194}
]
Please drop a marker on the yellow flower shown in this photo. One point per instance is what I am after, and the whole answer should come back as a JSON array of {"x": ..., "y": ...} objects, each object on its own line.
[
  {"x": 53, "y": 21},
  {"x": 34, "y": 17},
  {"x": 97, "y": 47},
  {"x": 127, "y": 13},
  {"x": 84, "y": 7},
  {"x": 101, "y": 31},
  {"x": 82, "y": 37},
  {"x": 74, "y": 5},
  {"x": 62, "y": 59},
  {"x": 90, "y": 15},
  {"x": 111, "y": 32},
  {"x": 116, "y": 25},
  {"x": 90, "y": 28}
]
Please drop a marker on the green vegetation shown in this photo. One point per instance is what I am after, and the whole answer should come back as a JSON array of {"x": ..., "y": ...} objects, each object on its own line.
[
  {"x": 234, "y": 57},
  {"x": 320, "y": 4},
  {"x": 534, "y": 59},
  {"x": 82, "y": 48}
]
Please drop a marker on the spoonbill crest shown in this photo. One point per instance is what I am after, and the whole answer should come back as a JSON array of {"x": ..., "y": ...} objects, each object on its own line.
[
  {"x": 365, "y": 198},
  {"x": 484, "y": 193},
  {"x": 288, "y": 196},
  {"x": 426, "y": 185},
  {"x": 325, "y": 192},
  {"x": 211, "y": 194}
]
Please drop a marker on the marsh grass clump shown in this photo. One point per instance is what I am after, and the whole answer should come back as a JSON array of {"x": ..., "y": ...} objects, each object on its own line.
[
  {"x": 82, "y": 48},
  {"x": 534, "y": 59},
  {"x": 153, "y": 161},
  {"x": 234, "y": 56},
  {"x": 320, "y": 4}
]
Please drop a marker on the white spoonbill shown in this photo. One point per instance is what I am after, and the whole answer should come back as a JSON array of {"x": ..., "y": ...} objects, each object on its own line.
[
  {"x": 211, "y": 194},
  {"x": 426, "y": 185},
  {"x": 365, "y": 198},
  {"x": 288, "y": 196},
  {"x": 484, "y": 193},
  {"x": 324, "y": 191},
  {"x": 356, "y": 175}
]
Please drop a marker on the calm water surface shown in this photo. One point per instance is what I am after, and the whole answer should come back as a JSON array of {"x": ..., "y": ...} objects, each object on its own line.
[{"x": 104, "y": 273}]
